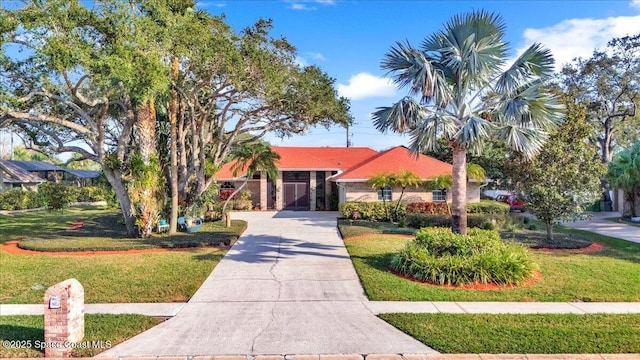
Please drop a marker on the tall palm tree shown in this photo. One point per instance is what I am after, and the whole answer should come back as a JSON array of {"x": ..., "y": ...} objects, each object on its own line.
[
  {"x": 466, "y": 95},
  {"x": 624, "y": 173},
  {"x": 250, "y": 158}
]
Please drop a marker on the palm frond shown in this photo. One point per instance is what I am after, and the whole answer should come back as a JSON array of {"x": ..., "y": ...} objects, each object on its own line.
[
  {"x": 411, "y": 68},
  {"x": 474, "y": 130},
  {"x": 525, "y": 140},
  {"x": 531, "y": 105},
  {"x": 401, "y": 117},
  {"x": 472, "y": 46},
  {"x": 535, "y": 62}
]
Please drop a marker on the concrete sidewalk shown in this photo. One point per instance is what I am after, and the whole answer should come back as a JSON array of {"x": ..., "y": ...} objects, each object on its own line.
[
  {"x": 376, "y": 307},
  {"x": 460, "y": 307},
  {"x": 148, "y": 309},
  {"x": 599, "y": 225}
]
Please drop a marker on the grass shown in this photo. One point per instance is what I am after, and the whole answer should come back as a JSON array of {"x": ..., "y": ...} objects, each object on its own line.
[
  {"x": 612, "y": 274},
  {"x": 90, "y": 239},
  {"x": 110, "y": 329},
  {"x": 152, "y": 277},
  {"x": 352, "y": 228},
  {"x": 520, "y": 334},
  {"x": 43, "y": 223},
  {"x": 103, "y": 230}
]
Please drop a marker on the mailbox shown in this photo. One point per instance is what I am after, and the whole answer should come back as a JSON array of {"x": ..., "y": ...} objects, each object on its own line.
[{"x": 54, "y": 302}]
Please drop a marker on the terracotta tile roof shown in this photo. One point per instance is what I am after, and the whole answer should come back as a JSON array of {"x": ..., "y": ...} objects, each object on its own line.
[
  {"x": 12, "y": 173},
  {"x": 311, "y": 158},
  {"x": 393, "y": 160}
]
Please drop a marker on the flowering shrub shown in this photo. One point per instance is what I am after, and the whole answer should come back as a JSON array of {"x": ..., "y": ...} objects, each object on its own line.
[{"x": 431, "y": 208}]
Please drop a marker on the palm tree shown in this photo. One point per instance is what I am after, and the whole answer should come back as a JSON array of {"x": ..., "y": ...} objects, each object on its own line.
[
  {"x": 380, "y": 182},
  {"x": 404, "y": 179},
  {"x": 467, "y": 96},
  {"x": 444, "y": 182},
  {"x": 624, "y": 173},
  {"x": 250, "y": 158}
]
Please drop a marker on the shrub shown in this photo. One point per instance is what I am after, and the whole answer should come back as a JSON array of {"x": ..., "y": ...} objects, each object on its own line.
[
  {"x": 442, "y": 257},
  {"x": 57, "y": 196},
  {"x": 423, "y": 220},
  {"x": 487, "y": 207},
  {"x": 91, "y": 194},
  {"x": 241, "y": 205},
  {"x": 18, "y": 199},
  {"x": 374, "y": 211},
  {"x": 431, "y": 208},
  {"x": 483, "y": 221}
]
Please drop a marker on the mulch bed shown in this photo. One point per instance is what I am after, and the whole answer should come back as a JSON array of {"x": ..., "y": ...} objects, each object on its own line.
[
  {"x": 11, "y": 247},
  {"x": 594, "y": 247},
  {"x": 76, "y": 225},
  {"x": 477, "y": 286}
]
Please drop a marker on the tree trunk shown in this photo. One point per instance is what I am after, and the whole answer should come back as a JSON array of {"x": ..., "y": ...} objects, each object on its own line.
[
  {"x": 173, "y": 167},
  {"x": 126, "y": 206},
  {"x": 147, "y": 141},
  {"x": 225, "y": 215},
  {"x": 549, "y": 232},
  {"x": 459, "y": 201}
]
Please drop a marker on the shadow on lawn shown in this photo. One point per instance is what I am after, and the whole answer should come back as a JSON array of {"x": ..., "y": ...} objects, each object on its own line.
[{"x": 22, "y": 334}]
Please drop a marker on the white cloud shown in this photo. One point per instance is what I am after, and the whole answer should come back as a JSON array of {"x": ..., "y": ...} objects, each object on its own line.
[
  {"x": 316, "y": 56},
  {"x": 635, "y": 4},
  {"x": 300, "y": 61},
  {"x": 574, "y": 38},
  {"x": 364, "y": 85},
  {"x": 301, "y": 7},
  {"x": 220, "y": 5},
  {"x": 302, "y": 4}
]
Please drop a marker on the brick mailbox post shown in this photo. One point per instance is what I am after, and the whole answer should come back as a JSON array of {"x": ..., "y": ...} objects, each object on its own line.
[{"x": 63, "y": 318}]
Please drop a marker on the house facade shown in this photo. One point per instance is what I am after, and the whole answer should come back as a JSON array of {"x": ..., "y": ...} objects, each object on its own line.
[
  {"x": 14, "y": 177},
  {"x": 312, "y": 178}
]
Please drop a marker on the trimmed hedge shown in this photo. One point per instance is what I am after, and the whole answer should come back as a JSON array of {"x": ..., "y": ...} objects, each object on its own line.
[
  {"x": 52, "y": 195},
  {"x": 431, "y": 208},
  {"x": 483, "y": 221},
  {"x": 374, "y": 211},
  {"x": 21, "y": 199},
  {"x": 487, "y": 207},
  {"x": 441, "y": 257}
]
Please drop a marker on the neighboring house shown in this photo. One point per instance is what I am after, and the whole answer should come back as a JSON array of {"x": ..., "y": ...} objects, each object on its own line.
[
  {"x": 309, "y": 178},
  {"x": 14, "y": 177},
  {"x": 57, "y": 174}
]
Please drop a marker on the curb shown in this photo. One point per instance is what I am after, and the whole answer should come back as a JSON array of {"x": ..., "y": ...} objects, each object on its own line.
[{"x": 385, "y": 357}]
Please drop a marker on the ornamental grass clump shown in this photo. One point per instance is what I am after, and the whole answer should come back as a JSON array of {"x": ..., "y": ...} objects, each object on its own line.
[{"x": 441, "y": 257}]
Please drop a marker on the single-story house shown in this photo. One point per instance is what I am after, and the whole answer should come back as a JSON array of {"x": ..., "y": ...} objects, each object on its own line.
[
  {"x": 310, "y": 178},
  {"x": 57, "y": 174},
  {"x": 15, "y": 177}
]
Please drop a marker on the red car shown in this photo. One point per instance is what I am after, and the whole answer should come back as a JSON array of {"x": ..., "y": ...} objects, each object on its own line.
[{"x": 513, "y": 201}]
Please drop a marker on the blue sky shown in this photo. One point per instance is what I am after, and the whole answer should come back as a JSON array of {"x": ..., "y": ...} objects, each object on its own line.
[{"x": 347, "y": 39}]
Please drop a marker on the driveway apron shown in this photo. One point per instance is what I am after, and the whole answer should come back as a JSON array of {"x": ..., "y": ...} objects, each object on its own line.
[{"x": 286, "y": 287}]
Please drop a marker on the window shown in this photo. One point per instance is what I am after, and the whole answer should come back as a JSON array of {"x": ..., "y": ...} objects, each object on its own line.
[
  {"x": 439, "y": 195},
  {"x": 384, "y": 194}
]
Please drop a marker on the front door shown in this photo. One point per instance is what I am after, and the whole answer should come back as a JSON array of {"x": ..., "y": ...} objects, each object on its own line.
[{"x": 296, "y": 196}]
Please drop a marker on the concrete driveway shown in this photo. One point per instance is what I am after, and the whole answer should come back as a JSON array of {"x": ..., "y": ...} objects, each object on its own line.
[{"x": 286, "y": 287}]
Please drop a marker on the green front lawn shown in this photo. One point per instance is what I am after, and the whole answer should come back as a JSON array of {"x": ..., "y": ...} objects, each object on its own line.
[
  {"x": 522, "y": 334},
  {"x": 152, "y": 277},
  {"x": 609, "y": 275},
  {"x": 44, "y": 223},
  {"x": 27, "y": 333},
  {"x": 102, "y": 230}
]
